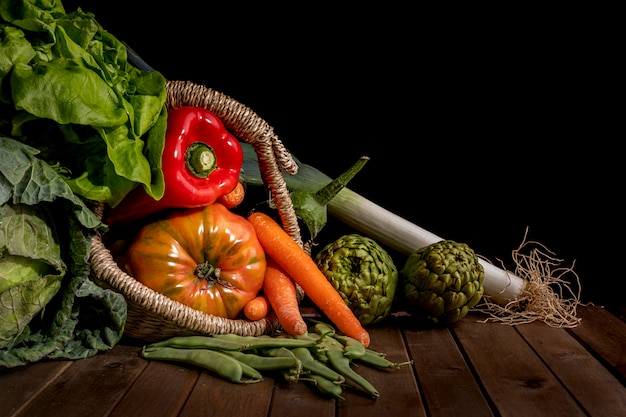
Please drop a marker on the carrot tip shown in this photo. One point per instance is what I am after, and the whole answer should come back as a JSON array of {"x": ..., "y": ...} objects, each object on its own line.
[
  {"x": 299, "y": 328},
  {"x": 234, "y": 197}
]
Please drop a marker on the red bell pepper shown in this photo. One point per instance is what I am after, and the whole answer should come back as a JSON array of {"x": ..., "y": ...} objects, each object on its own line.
[{"x": 201, "y": 162}]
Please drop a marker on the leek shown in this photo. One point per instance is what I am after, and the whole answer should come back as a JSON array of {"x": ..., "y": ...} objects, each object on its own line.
[{"x": 380, "y": 224}]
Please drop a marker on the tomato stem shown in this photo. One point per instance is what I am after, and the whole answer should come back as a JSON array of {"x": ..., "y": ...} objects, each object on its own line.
[
  {"x": 211, "y": 273},
  {"x": 207, "y": 271}
]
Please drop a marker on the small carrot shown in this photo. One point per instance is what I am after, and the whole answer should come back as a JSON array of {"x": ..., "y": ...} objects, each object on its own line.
[
  {"x": 302, "y": 269},
  {"x": 233, "y": 198},
  {"x": 258, "y": 308},
  {"x": 280, "y": 290}
]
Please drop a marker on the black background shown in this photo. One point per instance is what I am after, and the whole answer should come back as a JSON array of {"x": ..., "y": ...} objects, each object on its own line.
[{"x": 479, "y": 122}]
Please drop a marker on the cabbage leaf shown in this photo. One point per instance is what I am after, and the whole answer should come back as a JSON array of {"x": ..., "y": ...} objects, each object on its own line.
[{"x": 49, "y": 307}]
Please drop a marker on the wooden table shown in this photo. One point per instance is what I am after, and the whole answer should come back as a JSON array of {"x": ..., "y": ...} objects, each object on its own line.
[{"x": 469, "y": 369}]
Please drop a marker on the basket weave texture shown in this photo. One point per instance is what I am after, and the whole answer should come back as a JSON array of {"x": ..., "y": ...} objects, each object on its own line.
[{"x": 153, "y": 316}]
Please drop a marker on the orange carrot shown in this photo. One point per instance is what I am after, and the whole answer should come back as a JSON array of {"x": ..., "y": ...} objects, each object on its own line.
[
  {"x": 258, "y": 308},
  {"x": 233, "y": 198},
  {"x": 280, "y": 290},
  {"x": 278, "y": 245}
]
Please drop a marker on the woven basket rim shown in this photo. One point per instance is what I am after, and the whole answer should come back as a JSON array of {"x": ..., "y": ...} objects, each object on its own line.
[{"x": 172, "y": 317}]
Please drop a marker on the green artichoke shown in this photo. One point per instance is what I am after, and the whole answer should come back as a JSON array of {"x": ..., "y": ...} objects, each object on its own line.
[
  {"x": 363, "y": 273},
  {"x": 442, "y": 282}
]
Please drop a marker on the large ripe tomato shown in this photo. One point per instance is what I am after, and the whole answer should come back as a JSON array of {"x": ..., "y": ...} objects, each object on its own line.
[{"x": 208, "y": 258}]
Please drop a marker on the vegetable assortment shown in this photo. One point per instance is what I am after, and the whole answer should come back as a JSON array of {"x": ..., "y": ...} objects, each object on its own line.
[
  {"x": 171, "y": 179},
  {"x": 320, "y": 357},
  {"x": 81, "y": 123},
  {"x": 378, "y": 223}
]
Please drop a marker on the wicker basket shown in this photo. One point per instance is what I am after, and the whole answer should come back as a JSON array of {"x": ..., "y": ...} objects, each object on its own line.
[{"x": 152, "y": 316}]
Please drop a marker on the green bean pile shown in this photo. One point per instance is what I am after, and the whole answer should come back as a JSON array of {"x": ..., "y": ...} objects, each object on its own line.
[{"x": 320, "y": 357}]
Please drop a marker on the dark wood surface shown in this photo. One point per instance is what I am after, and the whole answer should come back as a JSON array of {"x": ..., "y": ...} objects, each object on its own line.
[{"x": 471, "y": 368}]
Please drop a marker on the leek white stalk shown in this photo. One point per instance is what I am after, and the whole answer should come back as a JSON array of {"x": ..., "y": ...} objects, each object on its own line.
[
  {"x": 381, "y": 224},
  {"x": 405, "y": 237}
]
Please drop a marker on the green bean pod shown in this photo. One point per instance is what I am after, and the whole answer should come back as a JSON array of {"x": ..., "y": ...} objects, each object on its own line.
[
  {"x": 263, "y": 341},
  {"x": 314, "y": 366},
  {"x": 283, "y": 352},
  {"x": 198, "y": 342},
  {"x": 289, "y": 377},
  {"x": 313, "y": 338},
  {"x": 341, "y": 364},
  {"x": 376, "y": 360},
  {"x": 323, "y": 329},
  {"x": 320, "y": 352},
  {"x": 216, "y": 362},
  {"x": 326, "y": 386},
  {"x": 352, "y": 348},
  {"x": 263, "y": 362},
  {"x": 250, "y": 372}
]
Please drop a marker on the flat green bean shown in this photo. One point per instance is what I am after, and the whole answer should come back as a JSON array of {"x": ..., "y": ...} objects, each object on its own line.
[
  {"x": 313, "y": 338},
  {"x": 341, "y": 364},
  {"x": 264, "y": 362},
  {"x": 323, "y": 329},
  {"x": 250, "y": 372},
  {"x": 283, "y": 352},
  {"x": 216, "y": 362},
  {"x": 264, "y": 341},
  {"x": 289, "y": 377},
  {"x": 198, "y": 342},
  {"x": 314, "y": 366},
  {"x": 377, "y": 360},
  {"x": 320, "y": 352},
  {"x": 326, "y": 386},
  {"x": 352, "y": 348}
]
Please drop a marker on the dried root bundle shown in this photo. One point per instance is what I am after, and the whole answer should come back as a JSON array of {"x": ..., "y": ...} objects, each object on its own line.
[{"x": 547, "y": 295}]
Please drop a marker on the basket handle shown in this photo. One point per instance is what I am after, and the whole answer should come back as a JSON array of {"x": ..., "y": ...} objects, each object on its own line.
[{"x": 249, "y": 127}]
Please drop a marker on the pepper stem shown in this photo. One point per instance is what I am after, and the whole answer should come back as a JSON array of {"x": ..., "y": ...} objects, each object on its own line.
[{"x": 200, "y": 159}]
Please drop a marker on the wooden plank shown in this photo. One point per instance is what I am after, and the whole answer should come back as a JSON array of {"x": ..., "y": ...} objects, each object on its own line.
[
  {"x": 605, "y": 334},
  {"x": 20, "y": 385},
  {"x": 90, "y": 387},
  {"x": 216, "y": 397},
  {"x": 618, "y": 311},
  {"x": 161, "y": 390},
  {"x": 399, "y": 394},
  {"x": 447, "y": 383},
  {"x": 513, "y": 376},
  {"x": 301, "y": 400},
  {"x": 593, "y": 386}
]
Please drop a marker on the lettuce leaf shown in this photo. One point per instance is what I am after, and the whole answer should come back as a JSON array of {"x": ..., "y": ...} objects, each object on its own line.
[{"x": 67, "y": 88}]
